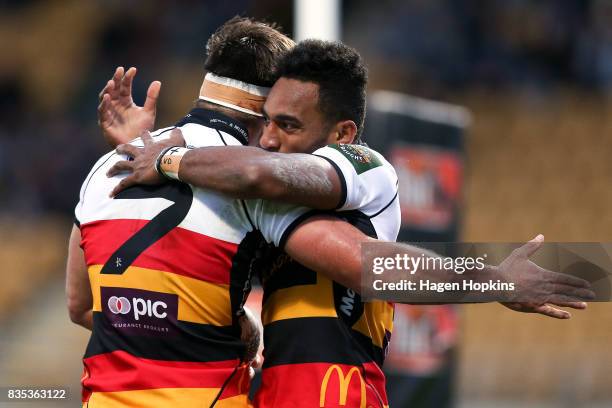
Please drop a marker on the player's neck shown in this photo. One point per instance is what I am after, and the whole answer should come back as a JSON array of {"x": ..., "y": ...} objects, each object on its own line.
[
  {"x": 219, "y": 109},
  {"x": 246, "y": 121}
]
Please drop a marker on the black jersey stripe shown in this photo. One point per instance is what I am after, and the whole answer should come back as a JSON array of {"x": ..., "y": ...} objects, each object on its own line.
[
  {"x": 244, "y": 266},
  {"x": 196, "y": 342},
  {"x": 317, "y": 340}
]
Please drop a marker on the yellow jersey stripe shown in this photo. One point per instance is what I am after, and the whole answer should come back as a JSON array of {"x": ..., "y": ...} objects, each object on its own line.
[{"x": 199, "y": 301}]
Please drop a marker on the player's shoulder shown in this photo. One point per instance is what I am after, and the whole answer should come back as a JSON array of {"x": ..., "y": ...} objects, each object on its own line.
[
  {"x": 199, "y": 135},
  {"x": 361, "y": 158},
  {"x": 368, "y": 180},
  {"x": 195, "y": 135},
  {"x": 102, "y": 164}
]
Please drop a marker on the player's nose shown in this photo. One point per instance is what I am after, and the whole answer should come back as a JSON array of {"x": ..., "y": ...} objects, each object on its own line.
[{"x": 269, "y": 139}]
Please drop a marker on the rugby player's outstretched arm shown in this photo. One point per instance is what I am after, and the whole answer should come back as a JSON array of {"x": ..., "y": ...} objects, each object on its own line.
[
  {"x": 333, "y": 247},
  {"x": 237, "y": 171},
  {"x": 78, "y": 290}
]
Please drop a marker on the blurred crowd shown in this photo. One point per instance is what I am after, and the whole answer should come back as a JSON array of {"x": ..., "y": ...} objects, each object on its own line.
[
  {"x": 60, "y": 54},
  {"x": 442, "y": 44}
]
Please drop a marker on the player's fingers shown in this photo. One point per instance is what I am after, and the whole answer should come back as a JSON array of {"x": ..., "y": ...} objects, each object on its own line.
[
  {"x": 152, "y": 95},
  {"x": 104, "y": 103},
  {"x": 128, "y": 149},
  {"x": 532, "y": 246},
  {"x": 559, "y": 298},
  {"x": 123, "y": 184},
  {"x": 114, "y": 91},
  {"x": 573, "y": 305},
  {"x": 146, "y": 138},
  {"x": 101, "y": 105},
  {"x": 568, "y": 285},
  {"x": 104, "y": 114},
  {"x": 109, "y": 84},
  {"x": 551, "y": 311},
  {"x": 579, "y": 294},
  {"x": 126, "y": 82},
  {"x": 569, "y": 280},
  {"x": 118, "y": 74},
  {"x": 122, "y": 166}
]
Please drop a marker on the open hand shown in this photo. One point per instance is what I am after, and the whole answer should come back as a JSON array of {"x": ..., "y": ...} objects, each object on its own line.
[
  {"x": 120, "y": 119},
  {"x": 538, "y": 290},
  {"x": 546, "y": 309}
]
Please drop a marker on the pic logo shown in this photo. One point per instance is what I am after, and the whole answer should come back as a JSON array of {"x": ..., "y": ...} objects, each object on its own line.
[
  {"x": 140, "y": 312},
  {"x": 119, "y": 305},
  {"x": 141, "y": 307}
]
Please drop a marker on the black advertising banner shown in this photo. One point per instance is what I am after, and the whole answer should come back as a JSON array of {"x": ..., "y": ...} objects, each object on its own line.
[{"x": 424, "y": 141}]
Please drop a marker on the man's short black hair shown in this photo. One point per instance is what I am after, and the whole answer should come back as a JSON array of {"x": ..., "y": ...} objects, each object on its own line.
[
  {"x": 246, "y": 50},
  {"x": 340, "y": 73}
]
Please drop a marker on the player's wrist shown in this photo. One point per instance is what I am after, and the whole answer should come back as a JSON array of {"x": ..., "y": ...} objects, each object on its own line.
[{"x": 168, "y": 161}]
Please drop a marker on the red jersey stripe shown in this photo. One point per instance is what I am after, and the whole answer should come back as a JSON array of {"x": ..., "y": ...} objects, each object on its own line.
[
  {"x": 322, "y": 385},
  {"x": 180, "y": 251},
  {"x": 120, "y": 371}
]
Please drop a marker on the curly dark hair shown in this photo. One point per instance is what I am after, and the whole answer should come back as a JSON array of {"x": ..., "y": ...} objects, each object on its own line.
[
  {"x": 247, "y": 50},
  {"x": 340, "y": 73}
]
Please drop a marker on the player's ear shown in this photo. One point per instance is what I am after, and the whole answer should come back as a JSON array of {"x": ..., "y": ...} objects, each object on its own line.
[{"x": 346, "y": 132}]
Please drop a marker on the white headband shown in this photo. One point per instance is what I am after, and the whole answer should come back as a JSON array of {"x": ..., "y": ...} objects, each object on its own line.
[
  {"x": 257, "y": 92},
  {"x": 234, "y": 83},
  {"x": 230, "y": 105}
]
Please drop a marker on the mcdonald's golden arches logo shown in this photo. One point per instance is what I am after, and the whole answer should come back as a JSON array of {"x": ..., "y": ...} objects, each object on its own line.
[{"x": 344, "y": 382}]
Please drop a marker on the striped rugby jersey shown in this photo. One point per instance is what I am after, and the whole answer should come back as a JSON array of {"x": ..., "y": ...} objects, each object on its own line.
[
  {"x": 169, "y": 271},
  {"x": 323, "y": 346},
  {"x": 170, "y": 266}
]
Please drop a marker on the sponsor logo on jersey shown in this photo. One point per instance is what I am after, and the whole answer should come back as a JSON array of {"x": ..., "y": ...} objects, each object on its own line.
[
  {"x": 119, "y": 305},
  {"x": 140, "y": 312},
  {"x": 361, "y": 157},
  {"x": 343, "y": 386},
  {"x": 348, "y": 304}
]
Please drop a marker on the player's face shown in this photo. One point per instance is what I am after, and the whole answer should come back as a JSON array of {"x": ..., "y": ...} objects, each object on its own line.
[{"x": 294, "y": 123}]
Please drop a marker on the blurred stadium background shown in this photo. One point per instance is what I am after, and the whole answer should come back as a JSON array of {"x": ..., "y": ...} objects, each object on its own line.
[{"x": 523, "y": 87}]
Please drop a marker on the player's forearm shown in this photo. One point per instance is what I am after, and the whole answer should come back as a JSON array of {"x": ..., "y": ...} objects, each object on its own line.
[
  {"x": 249, "y": 172},
  {"x": 334, "y": 248},
  {"x": 82, "y": 318},
  {"x": 79, "y": 306},
  {"x": 78, "y": 291},
  {"x": 250, "y": 334}
]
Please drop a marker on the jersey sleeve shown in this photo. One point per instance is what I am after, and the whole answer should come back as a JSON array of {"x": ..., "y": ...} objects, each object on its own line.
[
  {"x": 79, "y": 209},
  {"x": 276, "y": 220},
  {"x": 368, "y": 181}
]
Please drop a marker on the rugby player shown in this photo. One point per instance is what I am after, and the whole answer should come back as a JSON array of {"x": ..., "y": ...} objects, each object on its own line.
[
  {"x": 160, "y": 274},
  {"x": 318, "y": 334}
]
